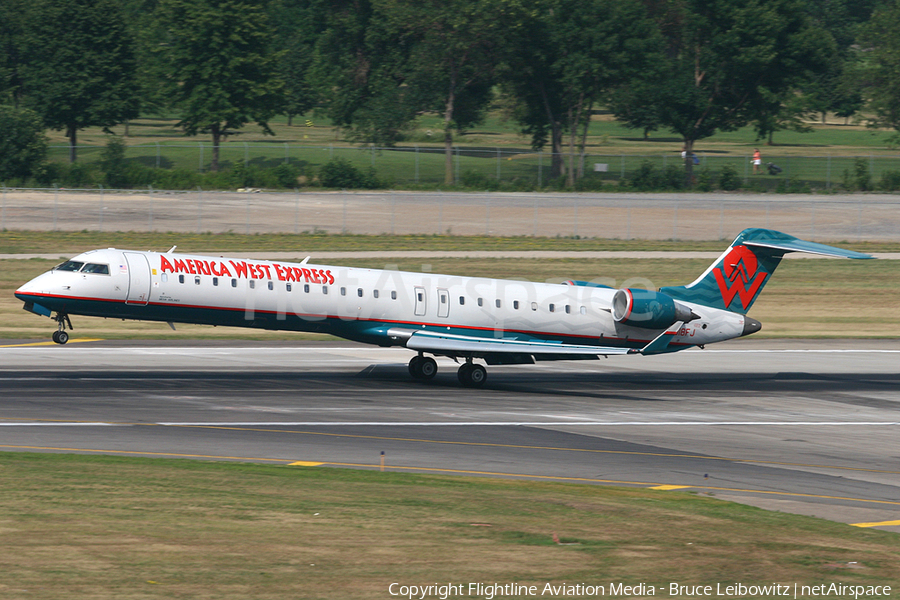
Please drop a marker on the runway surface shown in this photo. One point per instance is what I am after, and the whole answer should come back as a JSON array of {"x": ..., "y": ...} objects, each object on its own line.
[{"x": 810, "y": 427}]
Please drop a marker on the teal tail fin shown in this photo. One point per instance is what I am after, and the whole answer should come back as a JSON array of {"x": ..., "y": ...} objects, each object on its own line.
[{"x": 738, "y": 276}]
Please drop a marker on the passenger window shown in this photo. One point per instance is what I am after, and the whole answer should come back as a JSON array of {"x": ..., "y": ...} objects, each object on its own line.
[
  {"x": 215, "y": 281},
  {"x": 305, "y": 288},
  {"x": 325, "y": 290},
  {"x": 252, "y": 284},
  {"x": 462, "y": 300},
  {"x": 480, "y": 302},
  {"x": 421, "y": 296},
  {"x": 516, "y": 304},
  {"x": 164, "y": 277},
  {"x": 584, "y": 310},
  {"x": 288, "y": 286},
  {"x": 375, "y": 293},
  {"x": 359, "y": 292},
  {"x": 552, "y": 307},
  {"x": 497, "y": 302},
  {"x": 343, "y": 291},
  {"x": 568, "y": 309},
  {"x": 271, "y": 285},
  {"x": 181, "y": 279},
  {"x": 197, "y": 280},
  {"x": 534, "y": 306},
  {"x": 393, "y": 294},
  {"x": 234, "y": 283}
]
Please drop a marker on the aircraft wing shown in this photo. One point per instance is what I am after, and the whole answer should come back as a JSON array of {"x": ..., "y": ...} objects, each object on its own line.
[{"x": 460, "y": 345}]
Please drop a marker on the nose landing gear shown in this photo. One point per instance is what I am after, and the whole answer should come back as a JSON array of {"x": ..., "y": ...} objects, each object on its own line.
[{"x": 60, "y": 336}]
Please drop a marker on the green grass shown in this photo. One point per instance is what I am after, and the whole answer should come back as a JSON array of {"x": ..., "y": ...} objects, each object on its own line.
[
  {"x": 817, "y": 159},
  {"x": 109, "y": 527}
]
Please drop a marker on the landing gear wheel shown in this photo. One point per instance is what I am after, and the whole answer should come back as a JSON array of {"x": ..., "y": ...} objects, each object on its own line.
[
  {"x": 423, "y": 367},
  {"x": 60, "y": 337},
  {"x": 472, "y": 375}
]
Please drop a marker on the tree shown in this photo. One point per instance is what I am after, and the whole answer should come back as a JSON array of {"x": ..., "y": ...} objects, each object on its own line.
[
  {"x": 220, "y": 73},
  {"x": 726, "y": 62},
  {"x": 881, "y": 73},
  {"x": 296, "y": 28},
  {"x": 453, "y": 51},
  {"x": 80, "y": 68},
  {"x": 569, "y": 55},
  {"x": 23, "y": 145},
  {"x": 12, "y": 52},
  {"x": 358, "y": 74}
]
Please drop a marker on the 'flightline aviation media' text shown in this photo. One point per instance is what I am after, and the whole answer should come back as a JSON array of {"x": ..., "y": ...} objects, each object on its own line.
[{"x": 489, "y": 591}]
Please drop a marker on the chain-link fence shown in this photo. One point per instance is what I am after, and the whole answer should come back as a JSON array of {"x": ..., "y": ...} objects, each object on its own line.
[
  {"x": 623, "y": 216},
  {"x": 489, "y": 166}
]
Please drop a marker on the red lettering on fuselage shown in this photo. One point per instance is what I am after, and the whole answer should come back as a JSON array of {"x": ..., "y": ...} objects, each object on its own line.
[{"x": 245, "y": 270}]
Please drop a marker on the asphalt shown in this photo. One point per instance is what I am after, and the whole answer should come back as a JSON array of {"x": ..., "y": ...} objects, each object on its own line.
[{"x": 808, "y": 427}]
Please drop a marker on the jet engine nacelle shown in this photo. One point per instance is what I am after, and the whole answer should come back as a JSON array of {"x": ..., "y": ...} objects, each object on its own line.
[{"x": 648, "y": 309}]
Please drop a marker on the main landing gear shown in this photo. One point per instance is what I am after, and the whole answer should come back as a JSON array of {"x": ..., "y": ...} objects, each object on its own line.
[
  {"x": 60, "y": 336},
  {"x": 469, "y": 374}
]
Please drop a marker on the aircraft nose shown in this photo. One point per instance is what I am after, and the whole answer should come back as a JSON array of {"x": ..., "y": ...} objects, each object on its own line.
[{"x": 751, "y": 326}]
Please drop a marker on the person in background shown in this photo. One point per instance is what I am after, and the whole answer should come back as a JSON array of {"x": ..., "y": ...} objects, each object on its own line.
[{"x": 757, "y": 160}]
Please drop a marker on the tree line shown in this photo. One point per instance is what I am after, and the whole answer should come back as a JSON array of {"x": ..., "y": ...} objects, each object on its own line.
[{"x": 693, "y": 67}]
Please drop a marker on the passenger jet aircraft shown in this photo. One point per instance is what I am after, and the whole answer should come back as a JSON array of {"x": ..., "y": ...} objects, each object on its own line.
[{"x": 501, "y": 322}]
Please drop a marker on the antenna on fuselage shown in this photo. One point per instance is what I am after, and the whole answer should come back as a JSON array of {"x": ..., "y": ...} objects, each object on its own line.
[
  {"x": 171, "y": 250},
  {"x": 305, "y": 260}
]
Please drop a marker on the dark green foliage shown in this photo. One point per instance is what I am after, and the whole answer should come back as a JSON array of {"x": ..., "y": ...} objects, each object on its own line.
[
  {"x": 859, "y": 179},
  {"x": 219, "y": 71},
  {"x": 890, "y": 181},
  {"x": 728, "y": 178},
  {"x": 112, "y": 162},
  {"x": 475, "y": 180},
  {"x": 80, "y": 69},
  {"x": 340, "y": 174},
  {"x": 23, "y": 145},
  {"x": 648, "y": 178}
]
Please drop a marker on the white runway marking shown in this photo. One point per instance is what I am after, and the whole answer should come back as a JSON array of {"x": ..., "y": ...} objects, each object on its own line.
[{"x": 461, "y": 423}]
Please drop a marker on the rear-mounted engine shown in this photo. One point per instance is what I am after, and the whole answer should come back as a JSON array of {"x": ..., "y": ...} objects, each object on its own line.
[{"x": 648, "y": 309}]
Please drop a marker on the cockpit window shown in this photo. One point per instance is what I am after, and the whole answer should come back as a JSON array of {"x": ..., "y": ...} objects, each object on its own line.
[
  {"x": 70, "y": 265},
  {"x": 95, "y": 268}
]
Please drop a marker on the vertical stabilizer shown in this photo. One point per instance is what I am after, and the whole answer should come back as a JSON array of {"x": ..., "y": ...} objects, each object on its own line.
[{"x": 736, "y": 278}]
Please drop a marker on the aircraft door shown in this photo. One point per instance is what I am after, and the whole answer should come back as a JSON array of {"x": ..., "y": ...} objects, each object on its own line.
[
  {"x": 443, "y": 303},
  {"x": 138, "y": 278},
  {"x": 420, "y": 301}
]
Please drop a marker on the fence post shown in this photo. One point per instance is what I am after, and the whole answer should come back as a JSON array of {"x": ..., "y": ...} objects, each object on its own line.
[
  {"x": 344, "y": 223},
  {"x": 456, "y": 175},
  {"x": 675, "y": 222},
  {"x": 199, "y": 209},
  {"x": 286, "y": 159},
  {"x": 157, "y": 155},
  {"x": 246, "y": 154},
  {"x": 3, "y": 210},
  {"x": 534, "y": 232},
  {"x": 417, "y": 163},
  {"x": 540, "y": 168},
  {"x": 100, "y": 225},
  {"x": 575, "y": 204},
  {"x": 150, "y": 187},
  {"x": 498, "y": 165},
  {"x": 55, "y": 205},
  {"x": 297, "y": 212},
  {"x": 487, "y": 216}
]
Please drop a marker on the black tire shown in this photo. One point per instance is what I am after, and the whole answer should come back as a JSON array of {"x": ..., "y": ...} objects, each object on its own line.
[
  {"x": 427, "y": 368},
  {"x": 61, "y": 337},
  {"x": 414, "y": 367},
  {"x": 472, "y": 375}
]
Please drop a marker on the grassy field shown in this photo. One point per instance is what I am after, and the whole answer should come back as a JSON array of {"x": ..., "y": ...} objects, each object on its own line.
[
  {"x": 497, "y": 150},
  {"x": 103, "y": 527},
  {"x": 807, "y": 298}
]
